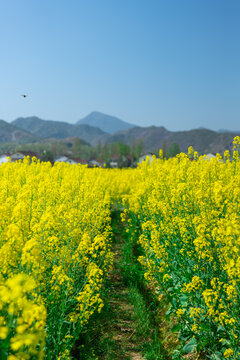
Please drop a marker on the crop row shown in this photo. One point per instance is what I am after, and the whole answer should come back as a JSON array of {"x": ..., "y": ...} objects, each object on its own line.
[
  {"x": 54, "y": 255},
  {"x": 188, "y": 211}
]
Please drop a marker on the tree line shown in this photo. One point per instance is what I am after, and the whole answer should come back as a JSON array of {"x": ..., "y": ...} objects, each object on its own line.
[{"x": 124, "y": 154}]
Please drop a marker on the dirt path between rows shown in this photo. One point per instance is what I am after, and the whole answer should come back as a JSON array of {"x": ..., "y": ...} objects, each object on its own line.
[
  {"x": 120, "y": 332},
  {"x": 120, "y": 329},
  {"x": 123, "y": 328}
]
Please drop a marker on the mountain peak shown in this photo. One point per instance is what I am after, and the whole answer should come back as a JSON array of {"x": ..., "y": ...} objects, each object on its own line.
[{"x": 107, "y": 123}]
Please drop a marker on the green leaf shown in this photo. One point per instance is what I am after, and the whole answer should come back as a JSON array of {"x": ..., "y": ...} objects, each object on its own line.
[
  {"x": 216, "y": 356},
  {"x": 190, "y": 346},
  {"x": 225, "y": 342},
  {"x": 220, "y": 328},
  {"x": 175, "y": 354},
  {"x": 183, "y": 297},
  {"x": 176, "y": 328},
  {"x": 174, "y": 303},
  {"x": 183, "y": 300},
  {"x": 169, "y": 311}
]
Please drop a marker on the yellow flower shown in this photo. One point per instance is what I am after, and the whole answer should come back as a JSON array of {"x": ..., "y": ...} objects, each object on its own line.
[
  {"x": 3, "y": 332},
  {"x": 228, "y": 353},
  {"x": 180, "y": 312}
]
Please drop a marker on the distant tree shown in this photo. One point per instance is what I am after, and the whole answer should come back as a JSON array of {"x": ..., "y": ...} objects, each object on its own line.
[
  {"x": 123, "y": 149},
  {"x": 114, "y": 149},
  {"x": 173, "y": 150},
  {"x": 105, "y": 153},
  {"x": 99, "y": 149},
  {"x": 8, "y": 148},
  {"x": 77, "y": 147},
  {"x": 139, "y": 147},
  {"x": 47, "y": 156},
  {"x": 164, "y": 148}
]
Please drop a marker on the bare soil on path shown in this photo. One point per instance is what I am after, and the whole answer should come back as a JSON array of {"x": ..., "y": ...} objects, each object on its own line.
[
  {"x": 124, "y": 329},
  {"x": 119, "y": 331}
]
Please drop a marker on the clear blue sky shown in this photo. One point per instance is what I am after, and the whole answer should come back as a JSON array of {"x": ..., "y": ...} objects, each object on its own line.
[{"x": 174, "y": 63}]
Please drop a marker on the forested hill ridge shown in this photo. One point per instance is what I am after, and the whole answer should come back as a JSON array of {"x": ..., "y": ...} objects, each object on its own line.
[
  {"x": 60, "y": 130},
  {"x": 203, "y": 140},
  {"x": 107, "y": 123},
  {"x": 11, "y": 133},
  {"x": 152, "y": 138}
]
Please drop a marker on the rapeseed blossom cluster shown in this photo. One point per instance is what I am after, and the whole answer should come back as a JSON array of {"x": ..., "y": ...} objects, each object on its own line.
[
  {"x": 188, "y": 210},
  {"x": 54, "y": 255}
]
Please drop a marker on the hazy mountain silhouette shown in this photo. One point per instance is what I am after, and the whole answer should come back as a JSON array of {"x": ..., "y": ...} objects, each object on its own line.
[
  {"x": 32, "y": 129},
  {"x": 153, "y": 137},
  {"x": 11, "y": 133},
  {"x": 59, "y": 130},
  {"x": 107, "y": 123}
]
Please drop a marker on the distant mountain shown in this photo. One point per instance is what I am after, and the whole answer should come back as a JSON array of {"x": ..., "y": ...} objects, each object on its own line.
[
  {"x": 68, "y": 142},
  {"x": 203, "y": 140},
  {"x": 60, "y": 130},
  {"x": 107, "y": 123},
  {"x": 152, "y": 136},
  {"x": 229, "y": 131},
  {"x": 10, "y": 133},
  {"x": 32, "y": 129}
]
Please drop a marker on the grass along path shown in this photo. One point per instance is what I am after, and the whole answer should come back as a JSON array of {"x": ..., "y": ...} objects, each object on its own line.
[{"x": 124, "y": 329}]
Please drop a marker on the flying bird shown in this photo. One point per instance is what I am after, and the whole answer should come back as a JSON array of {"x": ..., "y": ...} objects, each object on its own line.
[{"x": 24, "y": 95}]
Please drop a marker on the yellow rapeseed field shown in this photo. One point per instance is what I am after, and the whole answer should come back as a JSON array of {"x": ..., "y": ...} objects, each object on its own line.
[
  {"x": 55, "y": 249},
  {"x": 54, "y": 254},
  {"x": 188, "y": 209}
]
